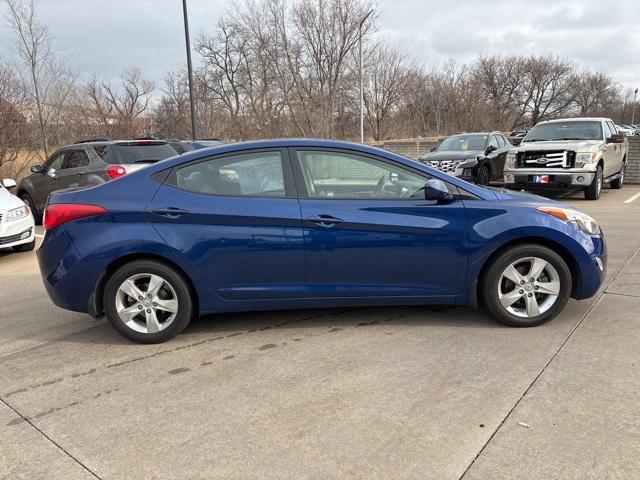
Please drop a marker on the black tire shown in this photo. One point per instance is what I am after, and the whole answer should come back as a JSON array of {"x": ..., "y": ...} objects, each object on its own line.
[
  {"x": 592, "y": 192},
  {"x": 26, "y": 198},
  {"x": 484, "y": 175},
  {"x": 178, "y": 283},
  {"x": 25, "y": 247},
  {"x": 618, "y": 183},
  {"x": 490, "y": 285}
]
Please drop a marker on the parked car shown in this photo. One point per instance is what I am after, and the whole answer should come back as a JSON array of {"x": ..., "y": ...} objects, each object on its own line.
[
  {"x": 184, "y": 146},
  {"x": 87, "y": 163},
  {"x": 626, "y": 130},
  {"x": 515, "y": 137},
  {"x": 17, "y": 229},
  {"x": 309, "y": 223},
  {"x": 206, "y": 143},
  {"x": 475, "y": 157},
  {"x": 574, "y": 153},
  {"x": 181, "y": 146}
]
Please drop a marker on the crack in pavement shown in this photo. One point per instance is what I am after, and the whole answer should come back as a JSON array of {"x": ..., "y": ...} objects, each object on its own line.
[{"x": 56, "y": 444}]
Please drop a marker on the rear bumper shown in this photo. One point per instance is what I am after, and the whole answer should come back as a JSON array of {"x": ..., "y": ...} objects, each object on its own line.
[
  {"x": 68, "y": 281},
  {"x": 522, "y": 179}
]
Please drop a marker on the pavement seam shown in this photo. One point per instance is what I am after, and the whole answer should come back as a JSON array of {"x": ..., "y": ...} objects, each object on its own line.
[
  {"x": 72, "y": 457},
  {"x": 553, "y": 357}
]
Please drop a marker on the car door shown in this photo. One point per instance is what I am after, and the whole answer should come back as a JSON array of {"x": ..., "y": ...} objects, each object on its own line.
[
  {"x": 500, "y": 157},
  {"x": 48, "y": 179},
  {"x": 236, "y": 217},
  {"x": 611, "y": 151},
  {"x": 369, "y": 231},
  {"x": 615, "y": 166},
  {"x": 496, "y": 157}
]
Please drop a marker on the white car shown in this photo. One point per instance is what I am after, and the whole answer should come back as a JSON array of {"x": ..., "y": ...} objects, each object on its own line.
[{"x": 17, "y": 228}]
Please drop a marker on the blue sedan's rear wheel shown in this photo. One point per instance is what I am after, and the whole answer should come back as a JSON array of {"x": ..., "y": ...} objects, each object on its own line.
[
  {"x": 148, "y": 301},
  {"x": 526, "y": 285}
]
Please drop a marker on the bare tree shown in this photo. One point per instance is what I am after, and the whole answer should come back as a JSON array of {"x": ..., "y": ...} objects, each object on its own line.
[
  {"x": 50, "y": 83},
  {"x": 387, "y": 74}
]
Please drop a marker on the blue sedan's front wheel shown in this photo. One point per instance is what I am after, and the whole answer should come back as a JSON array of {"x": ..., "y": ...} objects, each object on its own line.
[
  {"x": 526, "y": 285},
  {"x": 148, "y": 301}
]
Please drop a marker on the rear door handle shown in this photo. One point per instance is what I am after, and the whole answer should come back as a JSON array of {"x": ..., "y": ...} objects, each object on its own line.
[
  {"x": 170, "y": 212},
  {"x": 326, "y": 221}
]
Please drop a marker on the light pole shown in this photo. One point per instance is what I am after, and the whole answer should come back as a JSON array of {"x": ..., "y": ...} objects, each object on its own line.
[
  {"x": 633, "y": 109},
  {"x": 189, "y": 69},
  {"x": 361, "y": 77}
]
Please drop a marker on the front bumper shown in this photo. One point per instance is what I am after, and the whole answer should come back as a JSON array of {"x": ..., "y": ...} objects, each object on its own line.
[
  {"x": 590, "y": 255},
  {"x": 556, "y": 180},
  {"x": 464, "y": 169},
  {"x": 16, "y": 232}
]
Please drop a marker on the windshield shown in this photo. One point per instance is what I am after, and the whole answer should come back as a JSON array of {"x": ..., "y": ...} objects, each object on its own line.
[
  {"x": 548, "y": 132},
  {"x": 461, "y": 143}
]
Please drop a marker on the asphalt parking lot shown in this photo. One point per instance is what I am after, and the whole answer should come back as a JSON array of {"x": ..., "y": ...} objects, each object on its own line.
[{"x": 346, "y": 393}]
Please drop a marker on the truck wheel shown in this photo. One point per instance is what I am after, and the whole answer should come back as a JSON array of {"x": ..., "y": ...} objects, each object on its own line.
[
  {"x": 618, "y": 183},
  {"x": 592, "y": 192}
]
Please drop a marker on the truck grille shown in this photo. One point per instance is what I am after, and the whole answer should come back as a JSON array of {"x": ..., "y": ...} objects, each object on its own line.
[
  {"x": 446, "y": 166},
  {"x": 546, "y": 159}
]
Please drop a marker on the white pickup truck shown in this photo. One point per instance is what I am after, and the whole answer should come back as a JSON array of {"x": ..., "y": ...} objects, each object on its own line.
[{"x": 576, "y": 153}]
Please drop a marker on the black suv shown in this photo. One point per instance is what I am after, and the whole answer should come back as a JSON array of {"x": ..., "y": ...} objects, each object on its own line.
[
  {"x": 88, "y": 163},
  {"x": 475, "y": 157}
]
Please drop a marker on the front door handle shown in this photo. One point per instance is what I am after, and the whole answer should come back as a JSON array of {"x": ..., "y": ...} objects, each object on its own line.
[
  {"x": 170, "y": 212},
  {"x": 326, "y": 221}
]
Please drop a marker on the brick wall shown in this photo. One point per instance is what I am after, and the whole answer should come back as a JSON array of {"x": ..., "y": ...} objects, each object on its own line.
[
  {"x": 414, "y": 148},
  {"x": 633, "y": 161}
]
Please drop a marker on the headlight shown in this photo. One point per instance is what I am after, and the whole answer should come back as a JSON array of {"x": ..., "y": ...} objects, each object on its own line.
[
  {"x": 581, "y": 220},
  {"x": 586, "y": 157},
  {"x": 17, "y": 213},
  {"x": 510, "y": 161}
]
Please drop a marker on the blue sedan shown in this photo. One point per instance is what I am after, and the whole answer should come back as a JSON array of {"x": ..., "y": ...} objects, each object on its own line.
[{"x": 309, "y": 223}]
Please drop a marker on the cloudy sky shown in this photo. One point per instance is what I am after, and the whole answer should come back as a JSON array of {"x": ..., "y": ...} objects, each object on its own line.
[{"x": 104, "y": 37}]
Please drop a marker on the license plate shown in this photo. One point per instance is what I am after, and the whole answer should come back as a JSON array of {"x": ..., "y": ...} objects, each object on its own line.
[{"x": 541, "y": 178}]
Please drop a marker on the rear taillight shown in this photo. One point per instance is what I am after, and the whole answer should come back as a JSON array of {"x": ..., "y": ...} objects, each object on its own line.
[
  {"x": 59, "y": 213},
  {"x": 116, "y": 171}
]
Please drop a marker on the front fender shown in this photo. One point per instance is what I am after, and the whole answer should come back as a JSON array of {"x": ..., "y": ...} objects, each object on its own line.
[{"x": 492, "y": 225}]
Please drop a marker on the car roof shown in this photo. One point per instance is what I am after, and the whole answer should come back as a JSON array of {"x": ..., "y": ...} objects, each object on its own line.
[{"x": 307, "y": 143}]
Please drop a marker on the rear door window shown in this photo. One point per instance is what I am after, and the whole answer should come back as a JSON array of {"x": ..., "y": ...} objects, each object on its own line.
[
  {"x": 250, "y": 174},
  {"x": 76, "y": 158}
]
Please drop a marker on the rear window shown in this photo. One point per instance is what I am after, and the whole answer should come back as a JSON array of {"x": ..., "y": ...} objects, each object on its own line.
[{"x": 141, "y": 153}]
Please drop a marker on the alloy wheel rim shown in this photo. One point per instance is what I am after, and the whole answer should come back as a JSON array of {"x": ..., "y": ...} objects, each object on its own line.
[
  {"x": 529, "y": 287},
  {"x": 599, "y": 182},
  {"x": 146, "y": 303}
]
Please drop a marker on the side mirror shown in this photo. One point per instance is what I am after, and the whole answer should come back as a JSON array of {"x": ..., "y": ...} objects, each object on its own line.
[
  {"x": 434, "y": 148},
  {"x": 616, "y": 138},
  {"x": 36, "y": 168},
  {"x": 437, "y": 190},
  {"x": 9, "y": 183},
  {"x": 490, "y": 148}
]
